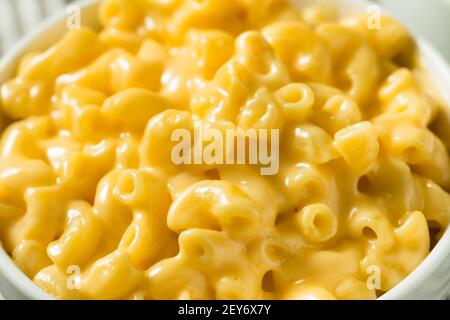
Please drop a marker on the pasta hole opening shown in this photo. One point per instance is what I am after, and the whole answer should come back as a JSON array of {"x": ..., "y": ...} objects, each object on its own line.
[
  {"x": 280, "y": 218},
  {"x": 268, "y": 283},
  {"x": 432, "y": 224},
  {"x": 213, "y": 174},
  {"x": 364, "y": 184},
  {"x": 239, "y": 222},
  {"x": 126, "y": 185},
  {"x": 346, "y": 84},
  {"x": 240, "y": 226},
  {"x": 320, "y": 221},
  {"x": 242, "y": 15},
  {"x": 369, "y": 233},
  {"x": 291, "y": 96},
  {"x": 263, "y": 68},
  {"x": 275, "y": 252},
  {"x": 197, "y": 251}
]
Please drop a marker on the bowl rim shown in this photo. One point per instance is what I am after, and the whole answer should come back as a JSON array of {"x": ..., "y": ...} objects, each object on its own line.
[{"x": 431, "y": 59}]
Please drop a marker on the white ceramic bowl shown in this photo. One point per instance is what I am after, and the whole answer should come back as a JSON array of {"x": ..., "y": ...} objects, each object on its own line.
[{"x": 430, "y": 280}]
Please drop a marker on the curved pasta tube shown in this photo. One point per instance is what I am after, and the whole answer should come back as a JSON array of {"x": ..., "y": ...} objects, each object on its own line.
[
  {"x": 302, "y": 51},
  {"x": 315, "y": 268},
  {"x": 411, "y": 245},
  {"x": 402, "y": 99},
  {"x": 82, "y": 171},
  {"x": 111, "y": 277},
  {"x": 372, "y": 225},
  {"x": 142, "y": 190},
  {"x": 317, "y": 223},
  {"x": 309, "y": 143},
  {"x": 120, "y": 70},
  {"x": 259, "y": 188},
  {"x": 210, "y": 50},
  {"x": 354, "y": 289},
  {"x": 90, "y": 124},
  {"x": 28, "y": 95},
  {"x": 80, "y": 238},
  {"x": 296, "y": 100},
  {"x": 154, "y": 52},
  {"x": 397, "y": 195},
  {"x": 395, "y": 84},
  {"x": 319, "y": 14},
  {"x": 353, "y": 61},
  {"x": 127, "y": 152},
  {"x": 55, "y": 282},
  {"x": 119, "y": 14},
  {"x": 207, "y": 265},
  {"x": 16, "y": 176},
  {"x": 255, "y": 54},
  {"x": 359, "y": 146},
  {"x": 103, "y": 194},
  {"x": 147, "y": 239},
  {"x": 216, "y": 205},
  {"x": 74, "y": 97},
  {"x": 134, "y": 107},
  {"x": 389, "y": 41},
  {"x": 269, "y": 252},
  {"x": 20, "y": 174},
  {"x": 212, "y": 14},
  {"x": 261, "y": 13},
  {"x": 359, "y": 77},
  {"x": 221, "y": 99},
  {"x": 260, "y": 112},
  {"x": 31, "y": 257},
  {"x": 43, "y": 219},
  {"x": 127, "y": 40},
  {"x": 179, "y": 82},
  {"x": 411, "y": 144},
  {"x": 308, "y": 292},
  {"x": 421, "y": 149},
  {"x": 300, "y": 184},
  {"x": 171, "y": 279},
  {"x": 333, "y": 110},
  {"x": 114, "y": 215},
  {"x": 180, "y": 182},
  {"x": 232, "y": 274},
  {"x": 435, "y": 201},
  {"x": 19, "y": 140},
  {"x": 158, "y": 136}
]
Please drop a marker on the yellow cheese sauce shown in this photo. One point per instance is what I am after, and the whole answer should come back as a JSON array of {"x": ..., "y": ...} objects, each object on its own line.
[{"x": 93, "y": 207}]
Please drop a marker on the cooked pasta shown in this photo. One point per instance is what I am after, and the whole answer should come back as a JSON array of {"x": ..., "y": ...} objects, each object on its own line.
[{"x": 92, "y": 205}]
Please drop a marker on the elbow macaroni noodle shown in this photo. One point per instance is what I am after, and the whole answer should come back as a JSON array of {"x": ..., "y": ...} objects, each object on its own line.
[{"x": 92, "y": 205}]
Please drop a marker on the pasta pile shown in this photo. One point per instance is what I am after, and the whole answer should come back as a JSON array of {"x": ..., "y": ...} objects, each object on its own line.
[{"x": 93, "y": 207}]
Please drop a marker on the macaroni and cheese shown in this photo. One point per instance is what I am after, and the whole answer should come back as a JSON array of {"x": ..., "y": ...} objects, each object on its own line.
[{"x": 92, "y": 205}]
